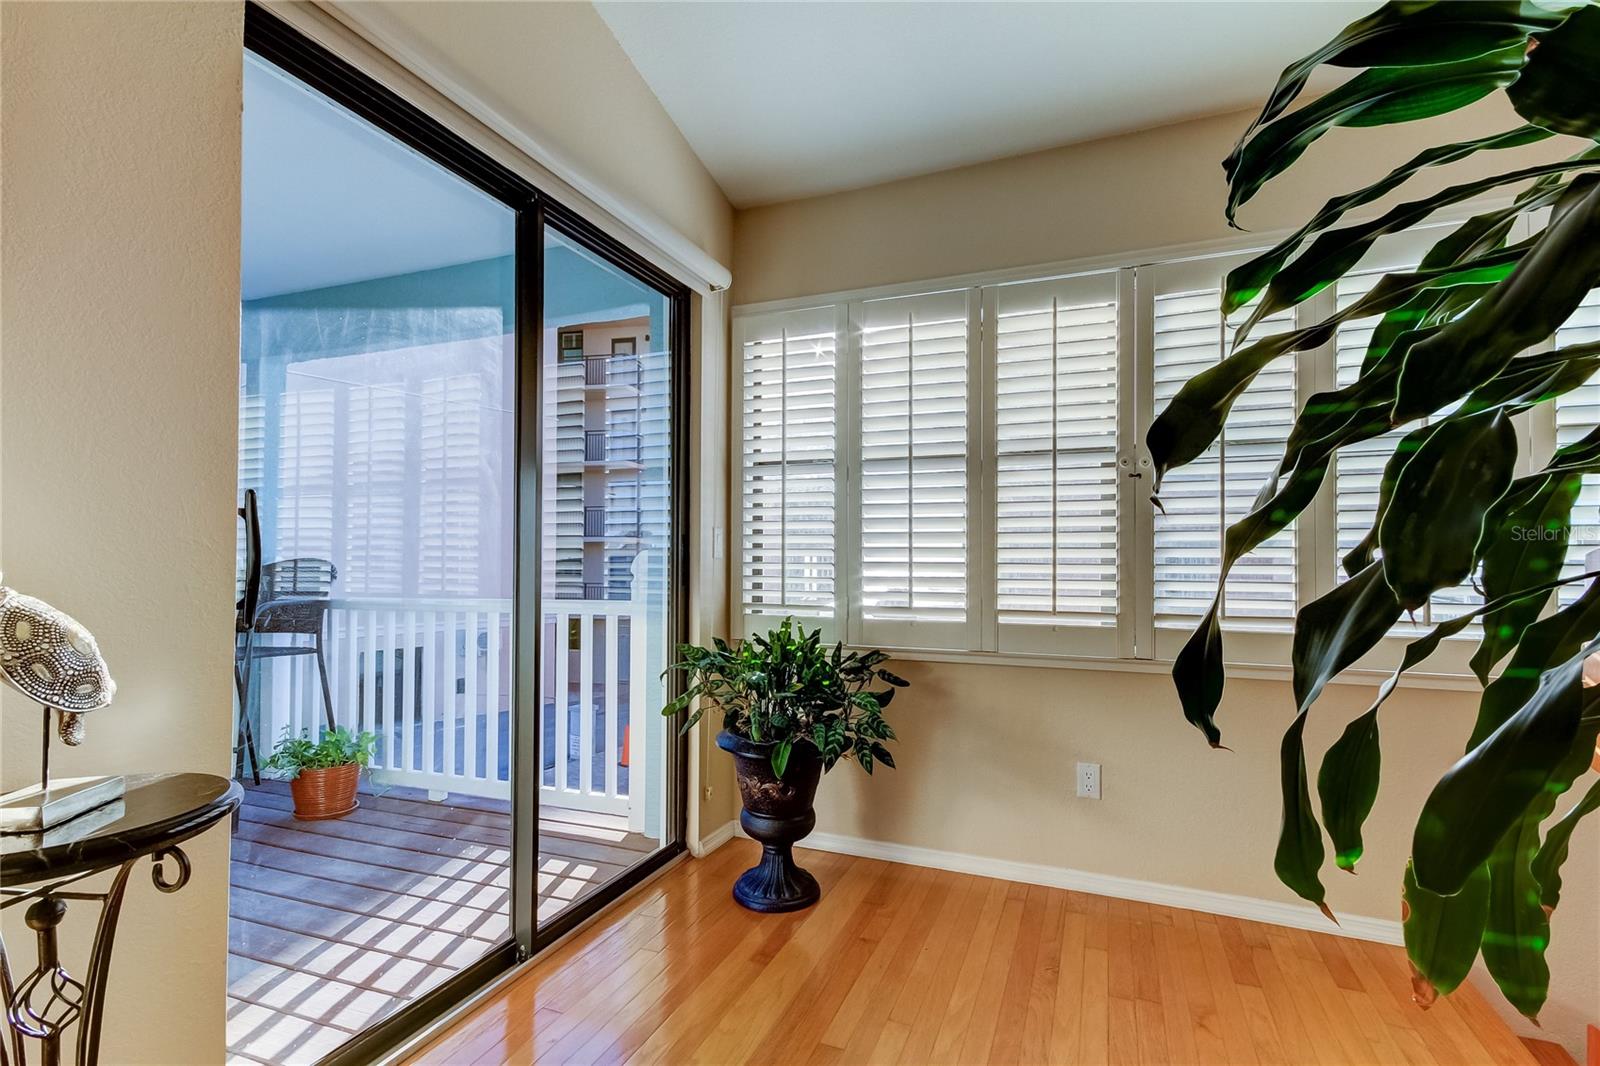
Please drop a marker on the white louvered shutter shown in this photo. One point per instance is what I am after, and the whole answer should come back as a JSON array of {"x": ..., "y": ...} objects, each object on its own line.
[
  {"x": 375, "y": 492},
  {"x": 914, "y": 523},
  {"x": 1577, "y": 414},
  {"x": 1202, "y": 499},
  {"x": 1055, "y": 422},
  {"x": 452, "y": 505},
  {"x": 299, "y": 522},
  {"x": 788, "y": 483}
]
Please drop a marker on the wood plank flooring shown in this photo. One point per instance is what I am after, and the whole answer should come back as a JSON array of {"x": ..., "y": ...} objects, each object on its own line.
[
  {"x": 900, "y": 964},
  {"x": 333, "y": 925}
]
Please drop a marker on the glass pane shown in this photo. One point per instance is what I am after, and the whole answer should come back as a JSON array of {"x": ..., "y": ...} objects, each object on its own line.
[
  {"x": 376, "y": 434},
  {"x": 607, "y": 507}
]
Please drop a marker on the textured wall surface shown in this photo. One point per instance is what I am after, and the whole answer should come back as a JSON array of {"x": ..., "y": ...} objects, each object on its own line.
[{"x": 119, "y": 280}]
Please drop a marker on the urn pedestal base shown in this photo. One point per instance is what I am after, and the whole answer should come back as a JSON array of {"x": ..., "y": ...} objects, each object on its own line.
[{"x": 776, "y": 884}]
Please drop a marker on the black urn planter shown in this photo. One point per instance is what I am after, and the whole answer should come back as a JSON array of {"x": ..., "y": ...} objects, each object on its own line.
[{"x": 777, "y": 812}]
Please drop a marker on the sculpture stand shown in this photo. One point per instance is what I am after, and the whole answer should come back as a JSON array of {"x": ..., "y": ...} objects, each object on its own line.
[{"x": 38, "y": 808}]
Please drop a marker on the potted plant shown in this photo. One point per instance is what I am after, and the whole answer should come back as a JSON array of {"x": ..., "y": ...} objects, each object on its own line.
[
  {"x": 323, "y": 773},
  {"x": 792, "y": 707}
]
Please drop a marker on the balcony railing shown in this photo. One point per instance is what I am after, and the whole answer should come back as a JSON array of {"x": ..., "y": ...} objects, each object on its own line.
[
  {"x": 613, "y": 371},
  {"x": 601, "y": 445},
  {"x": 431, "y": 677}
]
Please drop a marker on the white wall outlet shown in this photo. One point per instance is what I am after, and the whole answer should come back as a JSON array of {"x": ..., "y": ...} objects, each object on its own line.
[{"x": 1089, "y": 780}]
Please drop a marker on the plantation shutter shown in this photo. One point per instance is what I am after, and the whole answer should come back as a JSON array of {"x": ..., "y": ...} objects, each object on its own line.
[
  {"x": 1055, "y": 418},
  {"x": 1577, "y": 414},
  {"x": 914, "y": 523},
  {"x": 788, "y": 486},
  {"x": 302, "y": 525},
  {"x": 1200, "y": 500},
  {"x": 376, "y": 475},
  {"x": 452, "y": 497}
]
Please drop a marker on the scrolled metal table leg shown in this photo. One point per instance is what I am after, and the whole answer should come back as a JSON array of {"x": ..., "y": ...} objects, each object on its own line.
[{"x": 65, "y": 999}]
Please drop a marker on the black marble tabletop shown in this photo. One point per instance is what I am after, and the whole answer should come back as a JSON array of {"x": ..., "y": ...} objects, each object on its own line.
[{"x": 156, "y": 811}]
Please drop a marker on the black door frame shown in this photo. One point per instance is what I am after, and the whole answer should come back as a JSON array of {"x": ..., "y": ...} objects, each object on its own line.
[{"x": 275, "y": 41}]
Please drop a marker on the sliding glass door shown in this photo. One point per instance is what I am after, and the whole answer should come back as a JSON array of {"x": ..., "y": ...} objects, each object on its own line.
[
  {"x": 606, "y": 568},
  {"x": 460, "y": 558}
]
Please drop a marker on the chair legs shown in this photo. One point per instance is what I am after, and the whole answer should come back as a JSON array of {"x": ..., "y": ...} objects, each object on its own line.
[
  {"x": 327, "y": 693},
  {"x": 245, "y": 741}
]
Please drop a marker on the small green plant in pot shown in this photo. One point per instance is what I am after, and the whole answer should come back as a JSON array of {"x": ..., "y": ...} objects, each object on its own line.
[
  {"x": 792, "y": 707},
  {"x": 322, "y": 773}
]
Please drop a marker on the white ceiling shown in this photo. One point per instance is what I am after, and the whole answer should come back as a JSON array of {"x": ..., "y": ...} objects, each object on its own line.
[
  {"x": 785, "y": 100},
  {"x": 328, "y": 199}
]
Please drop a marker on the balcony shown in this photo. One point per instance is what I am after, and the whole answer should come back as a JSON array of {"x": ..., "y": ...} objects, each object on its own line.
[
  {"x": 335, "y": 924},
  {"x": 618, "y": 375}
]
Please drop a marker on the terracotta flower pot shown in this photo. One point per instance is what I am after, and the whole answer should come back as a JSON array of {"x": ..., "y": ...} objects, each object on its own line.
[{"x": 329, "y": 793}]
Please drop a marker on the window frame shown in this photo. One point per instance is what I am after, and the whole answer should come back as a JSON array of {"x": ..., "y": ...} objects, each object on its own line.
[{"x": 1253, "y": 650}]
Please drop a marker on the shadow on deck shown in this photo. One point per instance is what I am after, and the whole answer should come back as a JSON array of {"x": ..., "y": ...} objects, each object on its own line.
[{"x": 336, "y": 924}]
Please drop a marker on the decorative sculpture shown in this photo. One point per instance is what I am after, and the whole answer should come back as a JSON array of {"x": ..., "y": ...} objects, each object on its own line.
[{"x": 53, "y": 660}]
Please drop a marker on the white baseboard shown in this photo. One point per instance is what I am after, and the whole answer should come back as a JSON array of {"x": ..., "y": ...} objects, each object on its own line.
[
  {"x": 1272, "y": 912},
  {"x": 715, "y": 839}
]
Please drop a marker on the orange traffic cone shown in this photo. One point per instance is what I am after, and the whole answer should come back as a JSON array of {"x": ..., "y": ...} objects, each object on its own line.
[{"x": 627, "y": 736}]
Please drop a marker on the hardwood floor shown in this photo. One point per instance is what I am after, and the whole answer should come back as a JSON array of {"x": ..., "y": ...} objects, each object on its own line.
[
  {"x": 903, "y": 964},
  {"x": 333, "y": 925}
]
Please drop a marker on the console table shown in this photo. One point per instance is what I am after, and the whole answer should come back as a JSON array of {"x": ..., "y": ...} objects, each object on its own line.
[{"x": 157, "y": 813}]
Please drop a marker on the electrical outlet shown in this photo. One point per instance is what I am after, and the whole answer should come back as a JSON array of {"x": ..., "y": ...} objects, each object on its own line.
[{"x": 1089, "y": 780}]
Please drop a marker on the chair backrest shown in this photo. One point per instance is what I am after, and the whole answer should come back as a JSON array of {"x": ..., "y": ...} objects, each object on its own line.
[
  {"x": 251, "y": 596},
  {"x": 299, "y": 578}
]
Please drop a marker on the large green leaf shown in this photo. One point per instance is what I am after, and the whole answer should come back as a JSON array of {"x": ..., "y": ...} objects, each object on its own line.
[
  {"x": 1552, "y": 853},
  {"x": 1442, "y": 932},
  {"x": 1525, "y": 539},
  {"x": 1409, "y": 34},
  {"x": 1335, "y": 251},
  {"x": 1330, "y": 633},
  {"x": 1541, "y": 294},
  {"x": 1431, "y": 529},
  {"x": 1559, "y": 89},
  {"x": 1375, "y": 97},
  {"x": 1190, "y": 422},
  {"x": 1484, "y": 793},
  {"x": 1347, "y": 784},
  {"x": 1244, "y": 282},
  {"x": 1516, "y": 929}
]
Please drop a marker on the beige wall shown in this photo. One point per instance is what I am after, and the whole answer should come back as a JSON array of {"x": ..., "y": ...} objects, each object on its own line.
[
  {"x": 119, "y": 311},
  {"x": 987, "y": 753}
]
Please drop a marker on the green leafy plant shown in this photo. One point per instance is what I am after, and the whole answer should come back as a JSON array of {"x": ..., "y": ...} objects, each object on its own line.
[
  {"x": 1463, "y": 343},
  {"x": 335, "y": 747},
  {"x": 788, "y": 688}
]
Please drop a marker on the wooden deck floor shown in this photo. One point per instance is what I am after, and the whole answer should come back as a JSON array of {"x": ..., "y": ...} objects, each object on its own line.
[
  {"x": 910, "y": 965},
  {"x": 336, "y": 924}
]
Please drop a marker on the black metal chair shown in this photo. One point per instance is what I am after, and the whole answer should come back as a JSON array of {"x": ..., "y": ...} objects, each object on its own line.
[{"x": 289, "y": 597}]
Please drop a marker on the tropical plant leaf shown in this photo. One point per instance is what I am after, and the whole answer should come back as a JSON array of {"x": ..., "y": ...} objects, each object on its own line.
[
  {"x": 1246, "y": 281},
  {"x": 1334, "y": 252},
  {"x": 1432, "y": 527},
  {"x": 1552, "y": 853},
  {"x": 1190, "y": 422},
  {"x": 1330, "y": 633},
  {"x": 1442, "y": 932},
  {"x": 1348, "y": 780},
  {"x": 1525, "y": 537},
  {"x": 1486, "y": 791},
  {"x": 1407, "y": 34},
  {"x": 1540, "y": 295},
  {"x": 1375, "y": 97},
  {"x": 1559, "y": 88}
]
